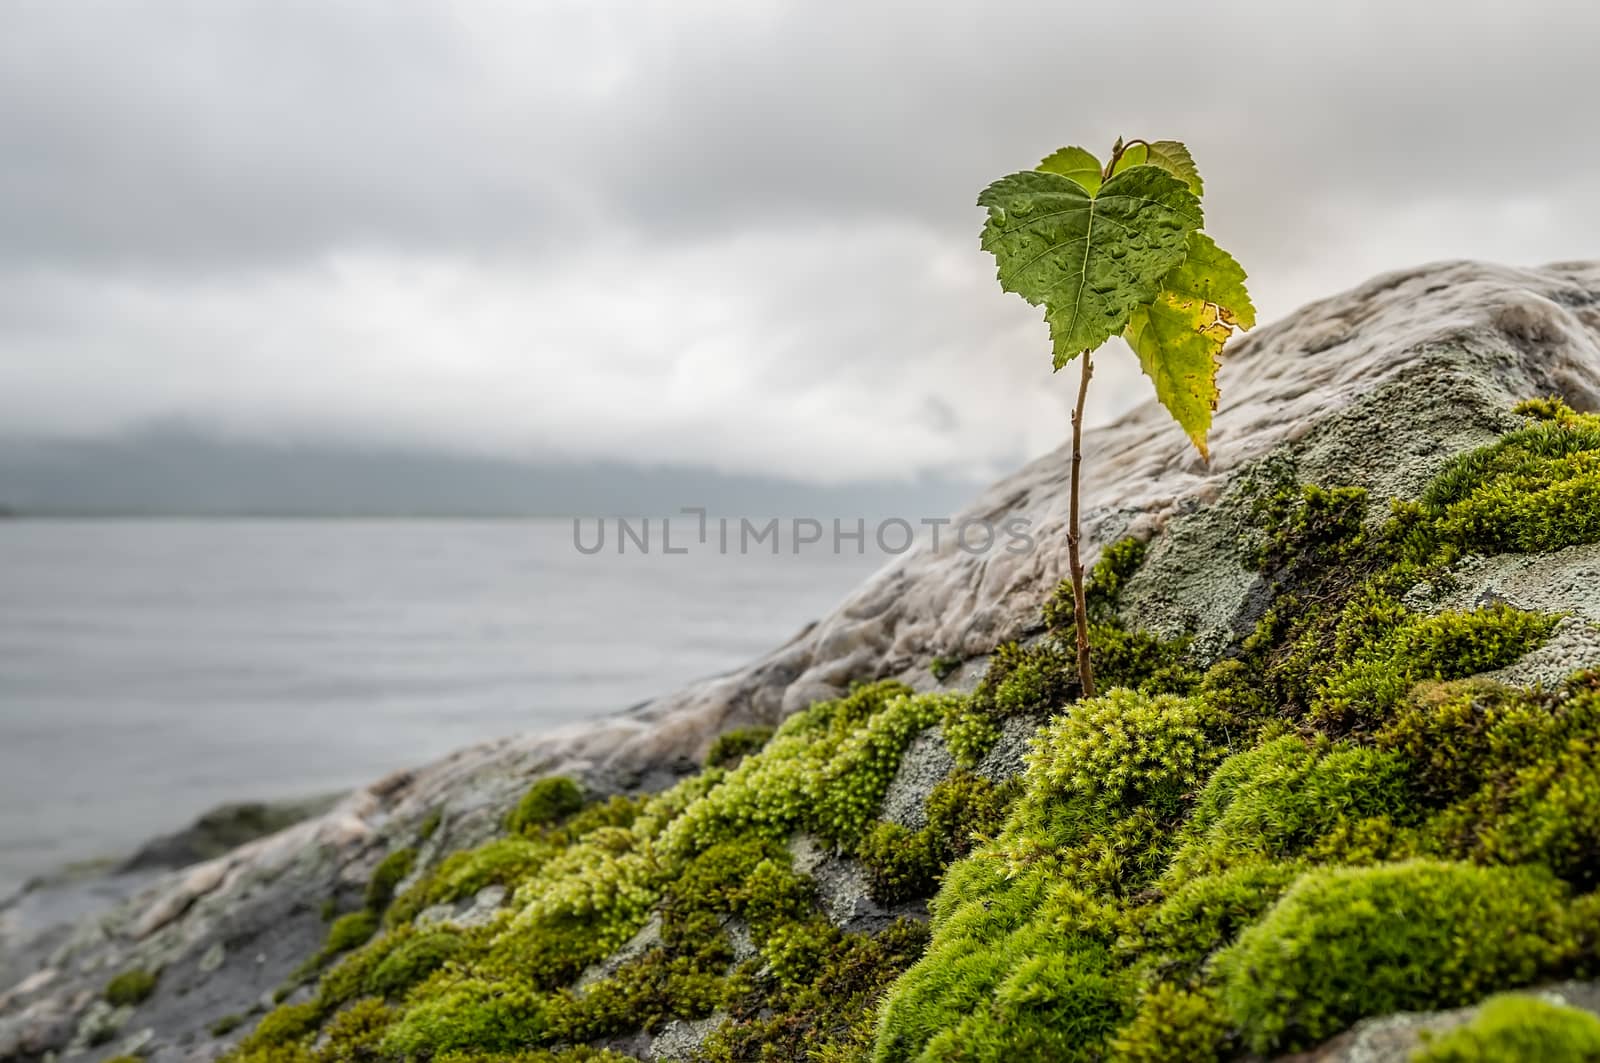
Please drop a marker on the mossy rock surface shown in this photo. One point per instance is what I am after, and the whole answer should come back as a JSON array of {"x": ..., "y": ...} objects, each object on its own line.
[{"x": 1297, "y": 803}]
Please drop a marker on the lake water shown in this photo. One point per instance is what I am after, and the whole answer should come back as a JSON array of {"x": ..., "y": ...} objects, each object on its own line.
[{"x": 152, "y": 669}]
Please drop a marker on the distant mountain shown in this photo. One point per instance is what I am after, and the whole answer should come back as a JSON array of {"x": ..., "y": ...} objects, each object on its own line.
[{"x": 169, "y": 472}]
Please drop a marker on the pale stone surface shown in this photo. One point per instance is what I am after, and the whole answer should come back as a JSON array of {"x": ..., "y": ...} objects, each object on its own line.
[
  {"x": 679, "y": 1038},
  {"x": 1377, "y": 387}
]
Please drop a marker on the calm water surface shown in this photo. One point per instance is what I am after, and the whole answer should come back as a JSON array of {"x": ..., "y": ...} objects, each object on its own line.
[{"x": 152, "y": 669}]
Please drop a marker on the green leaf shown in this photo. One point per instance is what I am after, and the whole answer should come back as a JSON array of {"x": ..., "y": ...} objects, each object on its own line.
[
  {"x": 1213, "y": 276},
  {"x": 1179, "y": 337},
  {"x": 1170, "y": 155},
  {"x": 1077, "y": 163},
  {"x": 1089, "y": 258}
]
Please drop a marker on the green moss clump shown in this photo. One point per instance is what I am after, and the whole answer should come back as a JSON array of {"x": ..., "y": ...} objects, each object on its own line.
[
  {"x": 1025, "y": 931},
  {"x": 1310, "y": 528},
  {"x": 412, "y": 960},
  {"x": 131, "y": 987},
  {"x": 1348, "y": 942},
  {"x": 1514, "y": 1028},
  {"x": 1277, "y": 800},
  {"x": 352, "y": 1035},
  {"x": 546, "y": 802},
  {"x": 825, "y": 770},
  {"x": 1536, "y": 489},
  {"x": 1110, "y": 574},
  {"x": 1375, "y": 675},
  {"x": 225, "y": 1025},
  {"x": 349, "y": 931},
  {"x": 968, "y": 735},
  {"x": 389, "y": 873},
  {"x": 280, "y": 1028},
  {"x": 571, "y": 1054},
  {"x": 942, "y": 667},
  {"x": 731, "y": 747},
  {"x": 1173, "y": 1024},
  {"x": 496, "y": 1015}
]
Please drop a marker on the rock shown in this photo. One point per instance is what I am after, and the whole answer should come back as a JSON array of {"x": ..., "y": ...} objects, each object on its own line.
[
  {"x": 680, "y": 1038},
  {"x": 1395, "y": 1038},
  {"x": 1330, "y": 394},
  {"x": 1005, "y": 758},
  {"x": 31, "y": 1030},
  {"x": 477, "y": 910},
  {"x": 922, "y": 766},
  {"x": 100, "y": 1024},
  {"x": 1560, "y": 582},
  {"x": 842, "y": 887},
  {"x": 224, "y": 828},
  {"x": 648, "y": 937}
]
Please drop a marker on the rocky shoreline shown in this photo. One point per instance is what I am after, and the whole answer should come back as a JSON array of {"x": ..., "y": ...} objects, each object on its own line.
[{"x": 1375, "y": 390}]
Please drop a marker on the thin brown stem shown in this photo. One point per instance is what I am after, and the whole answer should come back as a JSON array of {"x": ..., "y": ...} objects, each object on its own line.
[
  {"x": 1118, "y": 150},
  {"x": 1074, "y": 559}
]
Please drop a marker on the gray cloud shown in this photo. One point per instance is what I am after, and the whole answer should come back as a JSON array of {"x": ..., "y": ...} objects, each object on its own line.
[{"x": 739, "y": 235}]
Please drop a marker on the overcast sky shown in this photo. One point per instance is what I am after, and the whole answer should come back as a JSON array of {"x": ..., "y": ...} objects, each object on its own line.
[{"x": 738, "y": 235}]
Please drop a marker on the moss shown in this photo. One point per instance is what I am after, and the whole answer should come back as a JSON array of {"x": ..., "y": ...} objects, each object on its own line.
[
  {"x": 1310, "y": 527},
  {"x": 501, "y": 862},
  {"x": 1177, "y": 934},
  {"x": 904, "y": 864},
  {"x": 1027, "y": 680},
  {"x": 354, "y": 1034},
  {"x": 546, "y": 802},
  {"x": 1514, "y": 771},
  {"x": 1275, "y": 801},
  {"x": 1536, "y": 489},
  {"x": 472, "y": 1014},
  {"x": 616, "y": 811},
  {"x": 968, "y": 735},
  {"x": 225, "y": 1025},
  {"x": 1107, "y": 783},
  {"x": 1376, "y": 674},
  {"x": 282, "y": 1027},
  {"x": 642, "y": 995},
  {"x": 1513, "y": 1028},
  {"x": 825, "y": 770},
  {"x": 573, "y": 1054},
  {"x": 749, "y": 878},
  {"x": 1174, "y": 1024},
  {"x": 942, "y": 667},
  {"x": 389, "y": 873},
  {"x": 1037, "y": 678},
  {"x": 349, "y": 931},
  {"x": 412, "y": 960},
  {"x": 131, "y": 987},
  {"x": 816, "y": 1002},
  {"x": 731, "y": 747},
  {"x": 1110, "y": 574},
  {"x": 1349, "y": 942}
]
